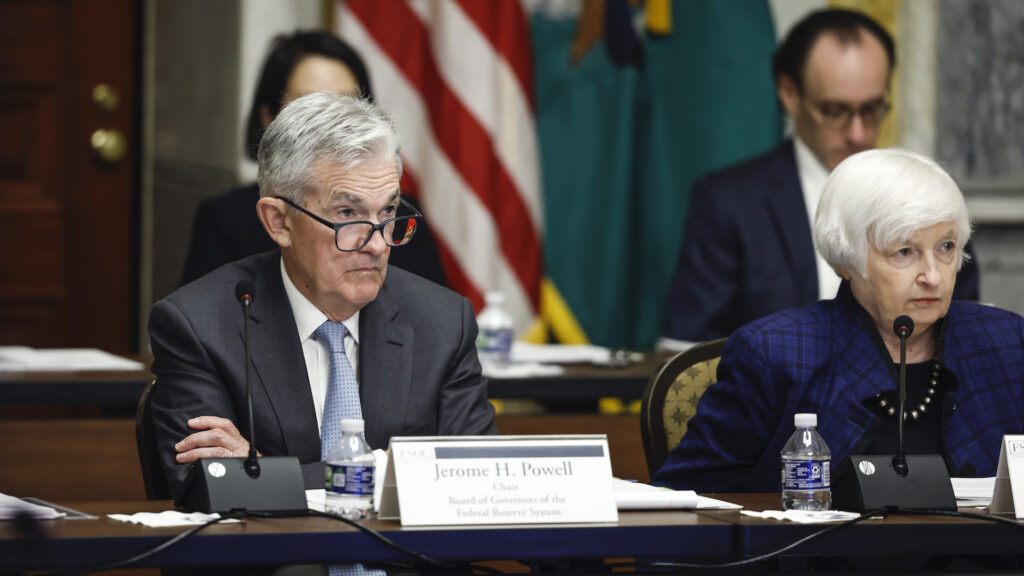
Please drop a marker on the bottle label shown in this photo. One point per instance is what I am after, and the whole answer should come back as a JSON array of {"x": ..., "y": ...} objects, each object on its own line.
[
  {"x": 497, "y": 342},
  {"x": 351, "y": 480},
  {"x": 806, "y": 475}
]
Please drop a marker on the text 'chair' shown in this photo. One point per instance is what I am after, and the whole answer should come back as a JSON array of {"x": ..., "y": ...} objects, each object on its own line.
[
  {"x": 671, "y": 398},
  {"x": 149, "y": 456}
]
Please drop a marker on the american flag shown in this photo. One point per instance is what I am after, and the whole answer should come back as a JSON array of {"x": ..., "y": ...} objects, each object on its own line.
[{"x": 456, "y": 75}]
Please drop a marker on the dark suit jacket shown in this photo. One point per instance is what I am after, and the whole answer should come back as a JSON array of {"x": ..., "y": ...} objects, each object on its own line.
[
  {"x": 418, "y": 368},
  {"x": 226, "y": 228},
  {"x": 748, "y": 250},
  {"x": 827, "y": 358}
]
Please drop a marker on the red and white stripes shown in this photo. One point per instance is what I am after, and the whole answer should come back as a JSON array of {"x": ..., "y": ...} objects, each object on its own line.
[{"x": 456, "y": 75}]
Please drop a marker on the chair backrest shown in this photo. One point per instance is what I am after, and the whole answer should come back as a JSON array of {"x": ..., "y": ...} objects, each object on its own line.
[
  {"x": 671, "y": 398},
  {"x": 149, "y": 455}
]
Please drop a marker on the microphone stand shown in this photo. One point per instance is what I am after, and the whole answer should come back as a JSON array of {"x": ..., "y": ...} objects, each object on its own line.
[
  {"x": 272, "y": 484},
  {"x": 901, "y": 482},
  {"x": 252, "y": 464},
  {"x": 899, "y": 462}
]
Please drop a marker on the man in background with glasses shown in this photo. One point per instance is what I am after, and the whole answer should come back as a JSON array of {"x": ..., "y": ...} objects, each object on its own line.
[
  {"x": 328, "y": 175},
  {"x": 747, "y": 250}
]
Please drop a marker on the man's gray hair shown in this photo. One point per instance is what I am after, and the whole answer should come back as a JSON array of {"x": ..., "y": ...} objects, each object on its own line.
[
  {"x": 322, "y": 126},
  {"x": 885, "y": 196}
]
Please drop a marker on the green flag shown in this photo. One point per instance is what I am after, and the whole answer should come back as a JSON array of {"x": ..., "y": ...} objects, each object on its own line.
[{"x": 621, "y": 148}]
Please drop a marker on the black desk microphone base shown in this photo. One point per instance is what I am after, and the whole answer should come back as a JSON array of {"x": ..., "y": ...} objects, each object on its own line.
[
  {"x": 222, "y": 485},
  {"x": 869, "y": 482}
]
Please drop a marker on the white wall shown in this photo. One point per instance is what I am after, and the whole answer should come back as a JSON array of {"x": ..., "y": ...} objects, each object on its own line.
[{"x": 261, "y": 20}]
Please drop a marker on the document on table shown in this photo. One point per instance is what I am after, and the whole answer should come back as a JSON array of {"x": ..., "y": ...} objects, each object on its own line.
[
  {"x": 628, "y": 496},
  {"x": 640, "y": 496},
  {"x": 25, "y": 359},
  {"x": 567, "y": 354},
  {"x": 11, "y": 507},
  {"x": 973, "y": 491}
]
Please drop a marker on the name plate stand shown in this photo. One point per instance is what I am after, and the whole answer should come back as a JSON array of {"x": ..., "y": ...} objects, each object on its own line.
[
  {"x": 1008, "y": 497},
  {"x": 464, "y": 480}
]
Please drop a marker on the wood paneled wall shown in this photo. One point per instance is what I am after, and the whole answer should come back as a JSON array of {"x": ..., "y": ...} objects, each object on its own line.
[{"x": 68, "y": 460}]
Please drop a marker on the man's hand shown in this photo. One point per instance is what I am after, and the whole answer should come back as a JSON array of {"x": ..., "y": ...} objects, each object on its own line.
[{"x": 217, "y": 438}]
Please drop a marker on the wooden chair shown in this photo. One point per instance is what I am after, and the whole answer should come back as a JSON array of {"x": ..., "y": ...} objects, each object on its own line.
[
  {"x": 149, "y": 455},
  {"x": 671, "y": 398}
]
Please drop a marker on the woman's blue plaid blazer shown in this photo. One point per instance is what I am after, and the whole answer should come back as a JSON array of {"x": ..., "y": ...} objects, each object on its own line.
[{"x": 823, "y": 358}]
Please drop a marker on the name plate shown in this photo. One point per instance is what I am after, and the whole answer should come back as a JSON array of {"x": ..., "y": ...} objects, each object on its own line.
[
  {"x": 461, "y": 480},
  {"x": 1008, "y": 497}
]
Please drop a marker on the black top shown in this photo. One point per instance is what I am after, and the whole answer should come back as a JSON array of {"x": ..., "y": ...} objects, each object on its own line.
[
  {"x": 226, "y": 228},
  {"x": 921, "y": 436}
]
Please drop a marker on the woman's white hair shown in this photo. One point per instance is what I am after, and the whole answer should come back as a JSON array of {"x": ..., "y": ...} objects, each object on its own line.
[
  {"x": 885, "y": 196},
  {"x": 317, "y": 127}
]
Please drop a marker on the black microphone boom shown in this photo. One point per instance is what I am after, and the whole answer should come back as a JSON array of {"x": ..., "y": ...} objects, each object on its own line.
[
  {"x": 226, "y": 484},
  {"x": 244, "y": 291},
  {"x": 916, "y": 482},
  {"x": 903, "y": 326}
]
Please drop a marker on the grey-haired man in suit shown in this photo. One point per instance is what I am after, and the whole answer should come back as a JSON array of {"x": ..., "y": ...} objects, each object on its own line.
[{"x": 329, "y": 182}]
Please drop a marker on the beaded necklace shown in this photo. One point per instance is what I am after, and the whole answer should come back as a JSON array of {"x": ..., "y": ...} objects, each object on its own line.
[{"x": 926, "y": 401}]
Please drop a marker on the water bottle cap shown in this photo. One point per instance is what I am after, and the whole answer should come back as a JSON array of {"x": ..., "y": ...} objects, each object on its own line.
[
  {"x": 354, "y": 426},
  {"x": 494, "y": 298},
  {"x": 805, "y": 420}
]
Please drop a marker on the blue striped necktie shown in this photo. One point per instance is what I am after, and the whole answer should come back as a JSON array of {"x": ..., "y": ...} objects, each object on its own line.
[{"x": 342, "y": 403}]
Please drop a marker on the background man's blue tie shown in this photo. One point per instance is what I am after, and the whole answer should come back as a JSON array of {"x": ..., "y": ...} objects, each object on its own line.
[{"x": 342, "y": 403}]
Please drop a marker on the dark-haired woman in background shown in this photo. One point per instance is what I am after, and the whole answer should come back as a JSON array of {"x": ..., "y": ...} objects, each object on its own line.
[{"x": 298, "y": 64}]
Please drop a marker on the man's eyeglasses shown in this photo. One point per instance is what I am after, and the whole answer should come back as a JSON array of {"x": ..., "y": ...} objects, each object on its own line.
[
  {"x": 352, "y": 236},
  {"x": 838, "y": 116}
]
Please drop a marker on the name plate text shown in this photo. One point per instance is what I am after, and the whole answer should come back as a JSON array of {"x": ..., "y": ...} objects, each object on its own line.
[{"x": 498, "y": 480}]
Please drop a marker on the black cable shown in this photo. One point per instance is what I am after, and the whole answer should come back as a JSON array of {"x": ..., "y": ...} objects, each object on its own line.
[
  {"x": 379, "y": 537},
  {"x": 138, "y": 557},
  {"x": 958, "y": 514},
  {"x": 867, "y": 515},
  {"x": 398, "y": 547},
  {"x": 769, "y": 555}
]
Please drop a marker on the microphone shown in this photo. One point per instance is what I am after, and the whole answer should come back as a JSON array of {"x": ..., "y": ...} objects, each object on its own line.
[
  {"x": 272, "y": 484},
  {"x": 900, "y": 482},
  {"x": 244, "y": 293},
  {"x": 903, "y": 326}
]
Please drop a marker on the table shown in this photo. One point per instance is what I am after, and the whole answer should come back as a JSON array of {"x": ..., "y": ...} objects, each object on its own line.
[
  {"x": 73, "y": 543},
  {"x": 582, "y": 382},
  {"x": 896, "y": 534},
  {"x": 704, "y": 536},
  {"x": 113, "y": 388},
  {"x": 121, "y": 389}
]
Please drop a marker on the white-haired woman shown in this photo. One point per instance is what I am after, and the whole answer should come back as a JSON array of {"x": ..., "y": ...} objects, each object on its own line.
[{"x": 893, "y": 224}]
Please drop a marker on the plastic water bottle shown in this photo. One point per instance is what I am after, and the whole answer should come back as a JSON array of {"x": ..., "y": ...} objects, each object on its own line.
[
  {"x": 494, "y": 340},
  {"x": 349, "y": 477},
  {"x": 806, "y": 463}
]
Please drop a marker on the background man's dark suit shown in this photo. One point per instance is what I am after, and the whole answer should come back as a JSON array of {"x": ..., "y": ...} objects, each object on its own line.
[
  {"x": 226, "y": 229},
  {"x": 748, "y": 250},
  {"x": 418, "y": 370}
]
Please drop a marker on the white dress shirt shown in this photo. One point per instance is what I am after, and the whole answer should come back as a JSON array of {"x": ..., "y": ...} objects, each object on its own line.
[
  {"x": 812, "y": 182},
  {"x": 318, "y": 358}
]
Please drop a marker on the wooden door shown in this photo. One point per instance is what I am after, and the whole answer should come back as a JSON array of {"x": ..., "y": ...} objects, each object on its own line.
[{"x": 68, "y": 217}]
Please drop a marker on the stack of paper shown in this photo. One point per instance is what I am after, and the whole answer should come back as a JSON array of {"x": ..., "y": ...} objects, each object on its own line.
[
  {"x": 11, "y": 507},
  {"x": 567, "y": 354},
  {"x": 973, "y": 491},
  {"x": 640, "y": 496},
  {"x": 25, "y": 359}
]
